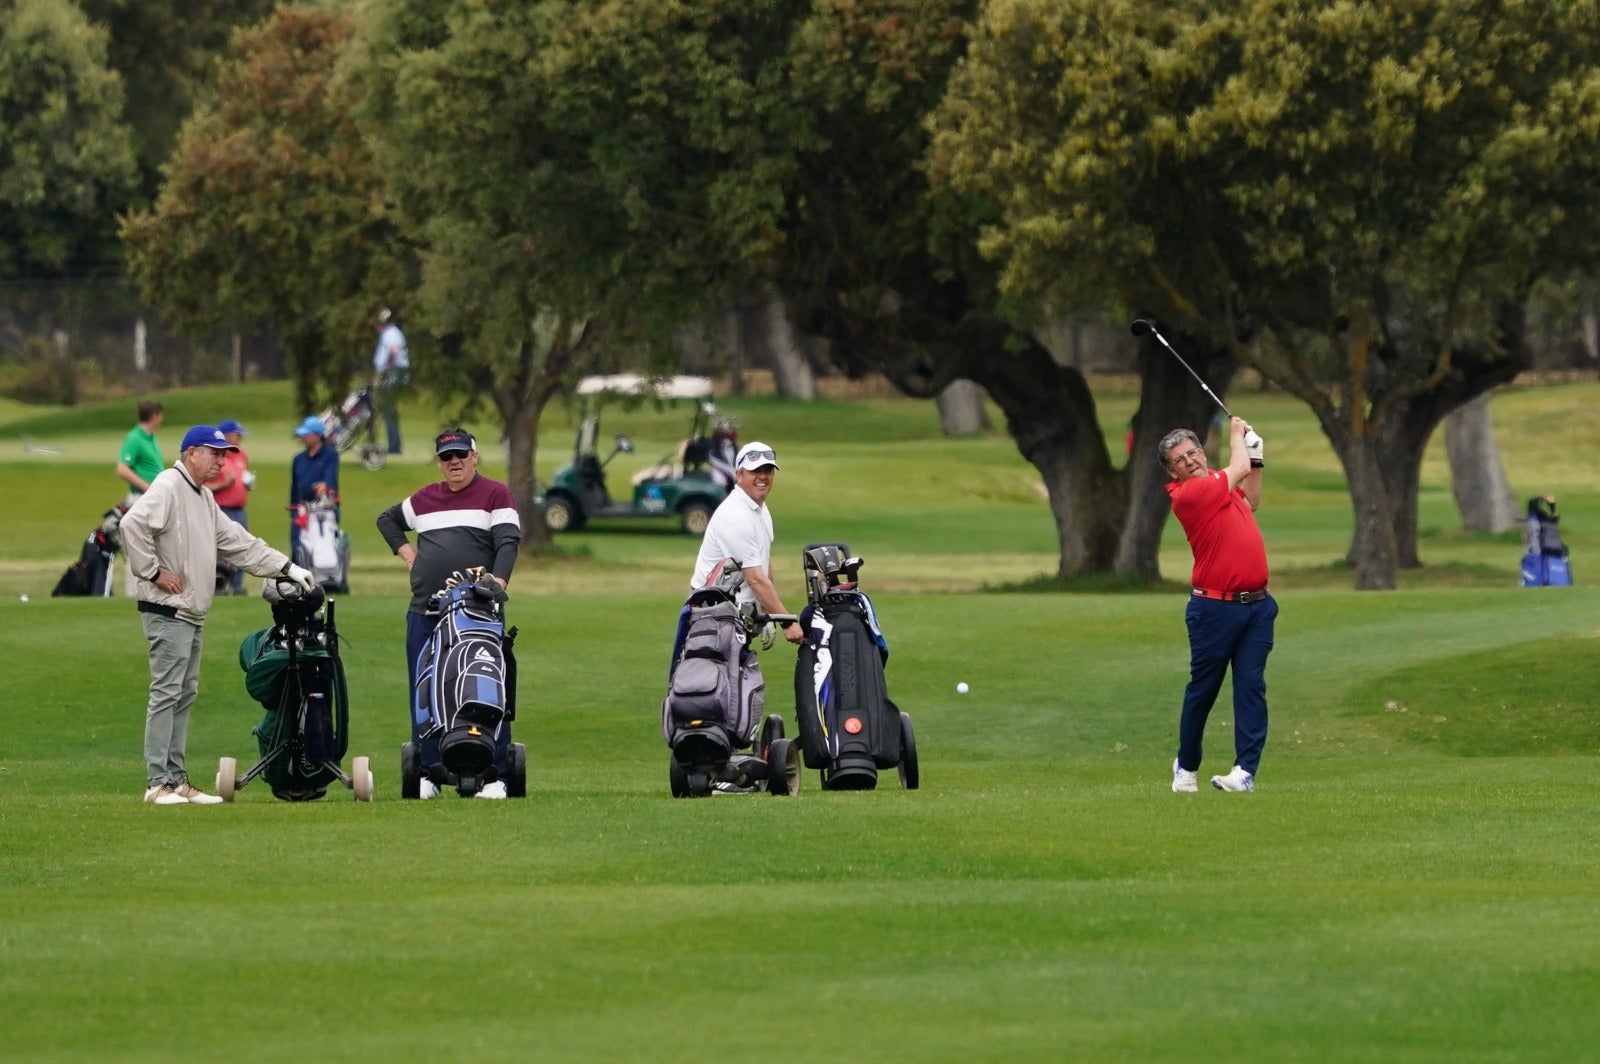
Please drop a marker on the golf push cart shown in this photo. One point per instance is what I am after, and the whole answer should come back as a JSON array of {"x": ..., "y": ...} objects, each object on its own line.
[{"x": 687, "y": 483}]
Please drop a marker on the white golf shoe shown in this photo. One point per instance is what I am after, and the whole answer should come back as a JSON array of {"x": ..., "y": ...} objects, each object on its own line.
[
  {"x": 1237, "y": 780},
  {"x": 427, "y": 789},
  {"x": 497, "y": 789},
  {"x": 195, "y": 796},
  {"x": 163, "y": 794},
  {"x": 1184, "y": 781}
]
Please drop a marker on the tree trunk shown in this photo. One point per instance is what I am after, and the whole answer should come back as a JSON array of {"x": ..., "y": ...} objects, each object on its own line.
[
  {"x": 961, "y": 410},
  {"x": 1477, "y": 476},
  {"x": 522, "y": 447},
  {"x": 791, "y": 372},
  {"x": 1374, "y": 557}
]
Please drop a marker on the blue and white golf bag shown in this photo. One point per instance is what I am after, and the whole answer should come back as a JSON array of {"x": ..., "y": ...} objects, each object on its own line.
[
  {"x": 1544, "y": 560},
  {"x": 849, "y": 728},
  {"x": 465, "y": 698}
]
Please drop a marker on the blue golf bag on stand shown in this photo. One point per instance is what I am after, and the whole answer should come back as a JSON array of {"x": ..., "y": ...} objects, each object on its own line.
[
  {"x": 849, "y": 729},
  {"x": 466, "y": 695},
  {"x": 1544, "y": 560}
]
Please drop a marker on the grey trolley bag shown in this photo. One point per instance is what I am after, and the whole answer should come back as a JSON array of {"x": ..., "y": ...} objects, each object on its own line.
[
  {"x": 849, "y": 727},
  {"x": 716, "y": 697}
]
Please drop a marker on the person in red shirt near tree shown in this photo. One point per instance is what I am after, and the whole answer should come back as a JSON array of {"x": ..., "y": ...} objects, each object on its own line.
[
  {"x": 231, "y": 487},
  {"x": 1230, "y": 614}
]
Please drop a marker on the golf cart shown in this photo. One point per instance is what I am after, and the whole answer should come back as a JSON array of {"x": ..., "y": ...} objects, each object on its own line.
[{"x": 687, "y": 483}]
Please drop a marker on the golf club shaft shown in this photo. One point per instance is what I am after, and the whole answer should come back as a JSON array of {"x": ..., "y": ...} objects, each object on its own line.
[{"x": 1141, "y": 326}]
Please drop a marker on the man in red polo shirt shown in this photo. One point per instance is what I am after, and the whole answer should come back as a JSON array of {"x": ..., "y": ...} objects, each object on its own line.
[{"x": 1230, "y": 613}]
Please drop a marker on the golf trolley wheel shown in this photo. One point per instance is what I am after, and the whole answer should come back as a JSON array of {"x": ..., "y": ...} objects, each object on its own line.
[
  {"x": 517, "y": 785},
  {"x": 373, "y": 458},
  {"x": 227, "y": 773},
  {"x": 678, "y": 777},
  {"x": 771, "y": 728},
  {"x": 361, "y": 778},
  {"x": 699, "y": 784},
  {"x": 695, "y": 516},
  {"x": 783, "y": 768},
  {"x": 410, "y": 771},
  {"x": 908, "y": 754}
]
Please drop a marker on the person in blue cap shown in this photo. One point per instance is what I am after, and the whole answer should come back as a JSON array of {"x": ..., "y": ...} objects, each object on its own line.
[
  {"x": 173, "y": 536},
  {"x": 231, "y": 488},
  {"x": 314, "y": 474}
]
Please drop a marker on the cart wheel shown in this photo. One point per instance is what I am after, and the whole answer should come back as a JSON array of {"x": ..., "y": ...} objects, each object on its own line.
[
  {"x": 561, "y": 514},
  {"x": 361, "y": 778},
  {"x": 373, "y": 458},
  {"x": 783, "y": 768},
  {"x": 517, "y": 785},
  {"x": 699, "y": 784},
  {"x": 771, "y": 728},
  {"x": 678, "y": 776},
  {"x": 695, "y": 517},
  {"x": 908, "y": 754},
  {"x": 227, "y": 772},
  {"x": 410, "y": 772}
]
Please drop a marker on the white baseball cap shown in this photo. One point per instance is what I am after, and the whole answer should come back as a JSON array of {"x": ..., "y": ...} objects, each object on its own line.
[{"x": 755, "y": 455}]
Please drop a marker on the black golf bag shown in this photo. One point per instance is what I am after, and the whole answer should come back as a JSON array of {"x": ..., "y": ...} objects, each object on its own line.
[
  {"x": 1544, "y": 560},
  {"x": 322, "y": 547},
  {"x": 849, "y": 728},
  {"x": 293, "y": 669},
  {"x": 466, "y": 695},
  {"x": 91, "y": 574}
]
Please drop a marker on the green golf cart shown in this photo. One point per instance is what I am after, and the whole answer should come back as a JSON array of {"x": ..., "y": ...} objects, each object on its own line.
[{"x": 687, "y": 483}]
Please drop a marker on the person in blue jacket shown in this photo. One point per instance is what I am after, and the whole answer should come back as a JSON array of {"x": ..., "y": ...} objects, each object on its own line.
[{"x": 314, "y": 474}]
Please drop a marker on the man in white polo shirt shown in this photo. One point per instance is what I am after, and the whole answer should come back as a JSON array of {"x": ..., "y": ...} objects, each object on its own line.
[{"x": 741, "y": 529}]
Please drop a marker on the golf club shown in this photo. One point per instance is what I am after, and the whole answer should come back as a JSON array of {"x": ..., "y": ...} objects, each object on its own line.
[{"x": 1141, "y": 326}]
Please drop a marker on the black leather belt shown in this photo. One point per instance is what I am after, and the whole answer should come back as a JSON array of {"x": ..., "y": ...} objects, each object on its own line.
[{"x": 1245, "y": 597}]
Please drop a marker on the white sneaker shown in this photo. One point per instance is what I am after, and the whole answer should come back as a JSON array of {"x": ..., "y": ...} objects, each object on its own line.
[
  {"x": 1184, "y": 781},
  {"x": 1237, "y": 780},
  {"x": 164, "y": 794},
  {"x": 427, "y": 789},
  {"x": 195, "y": 796},
  {"x": 497, "y": 789}
]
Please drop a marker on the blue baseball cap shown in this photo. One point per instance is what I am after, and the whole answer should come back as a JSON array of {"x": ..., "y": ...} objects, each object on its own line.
[
  {"x": 206, "y": 436},
  {"x": 227, "y": 425},
  {"x": 312, "y": 425}
]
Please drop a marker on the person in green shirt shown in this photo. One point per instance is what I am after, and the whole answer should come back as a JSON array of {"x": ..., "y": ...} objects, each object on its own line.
[{"x": 140, "y": 460}]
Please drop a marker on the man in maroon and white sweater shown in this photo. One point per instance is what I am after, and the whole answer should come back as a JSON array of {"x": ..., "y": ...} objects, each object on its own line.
[{"x": 462, "y": 522}]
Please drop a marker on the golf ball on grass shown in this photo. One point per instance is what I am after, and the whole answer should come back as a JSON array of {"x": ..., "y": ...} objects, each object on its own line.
[
  {"x": 962, "y": 688},
  {"x": 24, "y": 598}
]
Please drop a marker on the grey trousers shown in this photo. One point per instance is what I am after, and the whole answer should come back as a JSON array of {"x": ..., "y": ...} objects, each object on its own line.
[{"x": 174, "y": 682}]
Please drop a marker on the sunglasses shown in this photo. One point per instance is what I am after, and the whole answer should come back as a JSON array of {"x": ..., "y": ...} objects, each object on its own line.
[
  {"x": 453, "y": 456},
  {"x": 766, "y": 456}
]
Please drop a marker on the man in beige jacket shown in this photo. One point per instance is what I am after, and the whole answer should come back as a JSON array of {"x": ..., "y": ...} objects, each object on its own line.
[{"x": 172, "y": 536}]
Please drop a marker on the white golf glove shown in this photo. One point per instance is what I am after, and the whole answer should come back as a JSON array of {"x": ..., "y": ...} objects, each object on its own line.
[
  {"x": 249, "y": 479},
  {"x": 1255, "y": 448},
  {"x": 301, "y": 576},
  {"x": 769, "y": 635}
]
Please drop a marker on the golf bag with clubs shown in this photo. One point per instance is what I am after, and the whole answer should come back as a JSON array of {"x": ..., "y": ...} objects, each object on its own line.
[
  {"x": 716, "y": 696},
  {"x": 466, "y": 694},
  {"x": 322, "y": 547},
  {"x": 353, "y": 422},
  {"x": 849, "y": 728},
  {"x": 293, "y": 669},
  {"x": 90, "y": 575},
  {"x": 1544, "y": 560}
]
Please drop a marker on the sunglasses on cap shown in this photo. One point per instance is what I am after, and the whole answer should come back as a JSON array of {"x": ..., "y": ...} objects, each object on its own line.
[
  {"x": 765, "y": 456},
  {"x": 453, "y": 456}
]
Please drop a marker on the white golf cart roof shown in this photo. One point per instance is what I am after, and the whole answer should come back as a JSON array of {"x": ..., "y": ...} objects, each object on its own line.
[{"x": 633, "y": 384}]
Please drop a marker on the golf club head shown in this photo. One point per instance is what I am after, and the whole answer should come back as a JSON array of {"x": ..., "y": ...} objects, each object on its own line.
[{"x": 1140, "y": 327}]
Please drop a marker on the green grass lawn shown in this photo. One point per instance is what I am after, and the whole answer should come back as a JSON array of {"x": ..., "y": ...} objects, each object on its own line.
[{"x": 1413, "y": 881}]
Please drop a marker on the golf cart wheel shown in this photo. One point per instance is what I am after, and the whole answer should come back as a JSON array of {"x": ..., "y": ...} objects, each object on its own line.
[
  {"x": 908, "y": 754},
  {"x": 361, "y": 778},
  {"x": 517, "y": 785},
  {"x": 561, "y": 514},
  {"x": 783, "y": 768},
  {"x": 678, "y": 777},
  {"x": 771, "y": 729},
  {"x": 373, "y": 458},
  {"x": 410, "y": 772},
  {"x": 227, "y": 773},
  {"x": 695, "y": 516},
  {"x": 699, "y": 784}
]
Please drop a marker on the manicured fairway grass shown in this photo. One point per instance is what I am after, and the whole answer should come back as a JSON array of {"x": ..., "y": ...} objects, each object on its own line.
[{"x": 1415, "y": 880}]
